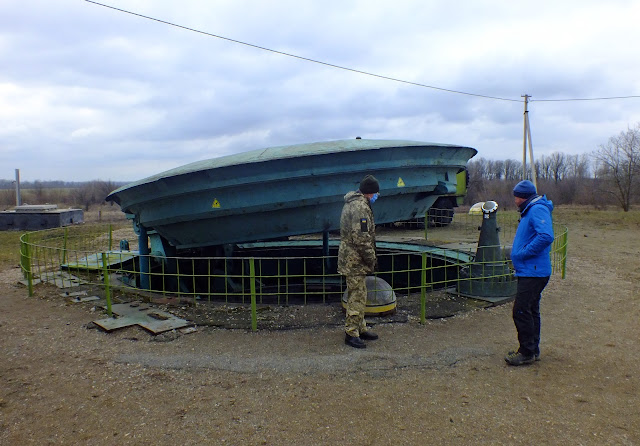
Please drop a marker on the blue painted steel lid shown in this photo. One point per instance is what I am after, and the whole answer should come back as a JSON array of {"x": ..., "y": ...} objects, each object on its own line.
[{"x": 284, "y": 152}]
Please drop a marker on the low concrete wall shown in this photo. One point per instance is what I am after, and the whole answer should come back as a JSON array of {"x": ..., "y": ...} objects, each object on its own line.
[{"x": 32, "y": 221}]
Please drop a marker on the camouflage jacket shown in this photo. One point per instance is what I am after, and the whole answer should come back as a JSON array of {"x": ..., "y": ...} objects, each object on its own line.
[{"x": 357, "y": 254}]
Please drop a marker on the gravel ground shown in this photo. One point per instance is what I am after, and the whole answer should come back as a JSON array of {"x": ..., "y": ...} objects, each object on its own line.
[{"x": 444, "y": 382}]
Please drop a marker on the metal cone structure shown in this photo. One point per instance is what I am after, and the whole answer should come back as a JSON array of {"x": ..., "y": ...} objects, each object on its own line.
[{"x": 490, "y": 277}]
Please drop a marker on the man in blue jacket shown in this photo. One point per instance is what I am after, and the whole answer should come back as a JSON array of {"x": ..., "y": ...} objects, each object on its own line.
[{"x": 532, "y": 264}]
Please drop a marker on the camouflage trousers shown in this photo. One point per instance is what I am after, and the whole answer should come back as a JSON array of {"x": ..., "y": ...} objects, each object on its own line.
[{"x": 356, "y": 305}]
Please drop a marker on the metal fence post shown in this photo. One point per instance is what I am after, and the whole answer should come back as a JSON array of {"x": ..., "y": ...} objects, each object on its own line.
[
  {"x": 252, "y": 283},
  {"x": 423, "y": 290},
  {"x": 107, "y": 290},
  {"x": 64, "y": 246},
  {"x": 564, "y": 252},
  {"x": 426, "y": 223},
  {"x": 23, "y": 255},
  {"x": 25, "y": 262}
]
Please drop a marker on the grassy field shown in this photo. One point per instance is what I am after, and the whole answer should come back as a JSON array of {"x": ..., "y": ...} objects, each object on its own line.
[{"x": 599, "y": 218}]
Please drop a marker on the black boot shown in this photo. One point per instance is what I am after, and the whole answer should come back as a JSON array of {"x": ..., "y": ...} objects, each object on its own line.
[
  {"x": 354, "y": 342},
  {"x": 368, "y": 336}
]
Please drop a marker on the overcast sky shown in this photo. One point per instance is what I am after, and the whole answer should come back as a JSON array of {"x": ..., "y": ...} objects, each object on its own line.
[{"x": 88, "y": 92}]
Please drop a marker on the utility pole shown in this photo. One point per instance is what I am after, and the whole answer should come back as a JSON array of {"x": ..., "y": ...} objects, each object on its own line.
[{"x": 527, "y": 136}]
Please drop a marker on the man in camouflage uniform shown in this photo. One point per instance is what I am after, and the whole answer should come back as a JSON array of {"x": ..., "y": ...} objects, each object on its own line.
[{"x": 357, "y": 257}]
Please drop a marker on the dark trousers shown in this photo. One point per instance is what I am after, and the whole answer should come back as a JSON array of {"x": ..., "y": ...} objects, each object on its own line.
[{"x": 526, "y": 313}]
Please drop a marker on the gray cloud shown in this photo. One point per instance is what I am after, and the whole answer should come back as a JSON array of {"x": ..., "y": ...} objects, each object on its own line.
[{"x": 87, "y": 92}]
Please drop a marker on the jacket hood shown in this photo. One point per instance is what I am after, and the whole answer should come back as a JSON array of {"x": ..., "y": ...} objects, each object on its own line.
[
  {"x": 353, "y": 195},
  {"x": 539, "y": 200}
]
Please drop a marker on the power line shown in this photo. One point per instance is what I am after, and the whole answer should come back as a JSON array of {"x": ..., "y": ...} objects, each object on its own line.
[
  {"x": 353, "y": 70},
  {"x": 584, "y": 99},
  {"x": 301, "y": 57}
]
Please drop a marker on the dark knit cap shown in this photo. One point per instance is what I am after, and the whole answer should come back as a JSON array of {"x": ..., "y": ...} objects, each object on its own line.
[
  {"x": 524, "y": 189},
  {"x": 369, "y": 185}
]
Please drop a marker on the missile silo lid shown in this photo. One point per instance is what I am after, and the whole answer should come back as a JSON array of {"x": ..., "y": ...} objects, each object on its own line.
[{"x": 284, "y": 152}]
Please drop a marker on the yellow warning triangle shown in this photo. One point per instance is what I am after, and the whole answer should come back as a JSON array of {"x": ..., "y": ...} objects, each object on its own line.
[
  {"x": 216, "y": 203},
  {"x": 400, "y": 182}
]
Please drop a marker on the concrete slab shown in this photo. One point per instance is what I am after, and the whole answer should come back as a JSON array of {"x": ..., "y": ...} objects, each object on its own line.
[
  {"x": 147, "y": 317},
  {"x": 495, "y": 300},
  {"x": 61, "y": 279},
  {"x": 78, "y": 299},
  {"x": 74, "y": 294},
  {"x": 25, "y": 282}
]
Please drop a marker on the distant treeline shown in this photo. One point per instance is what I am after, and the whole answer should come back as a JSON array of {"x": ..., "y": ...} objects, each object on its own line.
[
  {"x": 603, "y": 178},
  {"x": 578, "y": 191},
  {"x": 566, "y": 179},
  {"x": 62, "y": 193},
  {"x": 11, "y": 184},
  {"x": 609, "y": 176}
]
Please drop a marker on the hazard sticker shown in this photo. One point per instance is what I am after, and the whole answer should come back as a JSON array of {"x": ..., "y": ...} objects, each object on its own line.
[
  {"x": 215, "y": 204},
  {"x": 400, "y": 182}
]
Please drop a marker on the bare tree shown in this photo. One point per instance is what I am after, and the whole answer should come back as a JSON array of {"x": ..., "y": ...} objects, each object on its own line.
[
  {"x": 498, "y": 169},
  {"x": 512, "y": 170},
  {"x": 543, "y": 167},
  {"x": 578, "y": 166},
  {"x": 557, "y": 165},
  {"x": 85, "y": 195},
  {"x": 491, "y": 170},
  {"x": 618, "y": 165},
  {"x": 478, "y": 169},
  {"x": 104, "y": 188},
  {"x": 478, "y": 178}
]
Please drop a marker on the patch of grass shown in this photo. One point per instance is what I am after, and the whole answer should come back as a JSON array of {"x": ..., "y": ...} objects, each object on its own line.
[
  {"x": 611, "y": 217},
  {"x": 9, "y": 249},
  {"x": 84, "y": 237}
]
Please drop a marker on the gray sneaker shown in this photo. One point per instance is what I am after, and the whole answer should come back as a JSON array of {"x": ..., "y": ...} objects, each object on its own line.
[
  {"x": 513, "y": 352},
  {"x": 517, "y": 358}
]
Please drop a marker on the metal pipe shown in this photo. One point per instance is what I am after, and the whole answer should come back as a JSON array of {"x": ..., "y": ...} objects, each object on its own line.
[
  {"x": 18, "y": 197},
  {"x": 325, "y": 249}
]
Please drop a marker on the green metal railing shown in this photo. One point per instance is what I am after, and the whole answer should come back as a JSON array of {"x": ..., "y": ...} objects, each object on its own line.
[{"x": 83, "y": 255}]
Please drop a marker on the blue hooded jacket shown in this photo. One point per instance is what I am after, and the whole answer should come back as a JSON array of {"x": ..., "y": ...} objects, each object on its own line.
[{"x": 534, "y": 236}]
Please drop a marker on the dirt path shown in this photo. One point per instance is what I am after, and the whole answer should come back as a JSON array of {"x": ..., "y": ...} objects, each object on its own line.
[{"x": 441, "y": 383}]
